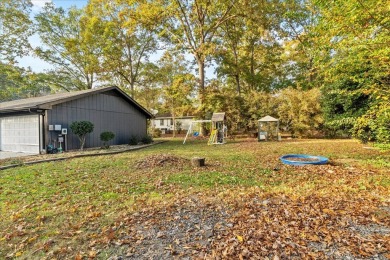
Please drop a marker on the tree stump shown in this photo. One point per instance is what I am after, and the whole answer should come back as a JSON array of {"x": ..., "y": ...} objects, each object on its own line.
[{"x": 198, "y": 162}]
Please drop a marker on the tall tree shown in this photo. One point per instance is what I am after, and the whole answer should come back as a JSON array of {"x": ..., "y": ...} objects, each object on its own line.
[
  {"x": 228, "y": 56},
  {"x": 354, "y": 64},
  {"x": 128, "y": 38},
  {"x": 223, "y": 98},
  {"x": 177, "y": 85},
  {"x": 191, "y": 25},
  {"x": 298, "y": 19},
  {"x": 148, "y": 92},
  {"x": 15, "y": 28},
  {"x": 249, "y": 48},
  {"x": 71, "y": 44}
]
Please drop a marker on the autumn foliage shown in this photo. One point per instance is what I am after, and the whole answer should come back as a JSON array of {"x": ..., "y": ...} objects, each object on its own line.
[{"x": 243, "y": 204}]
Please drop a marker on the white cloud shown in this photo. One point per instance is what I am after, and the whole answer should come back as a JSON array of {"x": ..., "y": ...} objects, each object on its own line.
[{"x": 40, "y": 3}]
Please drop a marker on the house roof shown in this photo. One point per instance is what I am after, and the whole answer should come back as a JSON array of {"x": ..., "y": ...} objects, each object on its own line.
[
  {"x": 169, "y": 115},
  {"x": 268, "y": 119},
  {"x": 218, "y": 117},
  {"x": 46, "y": 102}
]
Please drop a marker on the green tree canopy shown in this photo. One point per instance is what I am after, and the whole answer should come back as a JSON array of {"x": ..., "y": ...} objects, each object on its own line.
[
  {"x": 299, "y": 111},
  {"x": 128, "y": 37},
  {"x": 177, "y": 85},
  {"x": 16, "y": 83},
  {"x": 249, "y": 52},
  {"x": 354, "y": 40},
  {"x": 70, "y": 44},
  {"x": 191, "y": 26},
  {"x": 15, "y": 28}
]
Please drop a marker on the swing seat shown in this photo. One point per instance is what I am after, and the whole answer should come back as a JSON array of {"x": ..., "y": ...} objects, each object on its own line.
[{"x": 196, "y": 134}]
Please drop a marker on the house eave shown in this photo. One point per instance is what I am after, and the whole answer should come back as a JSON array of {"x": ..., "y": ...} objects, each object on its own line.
[
  {"x": 47, "y": 105},
  {"x": 32, "y": 110}
]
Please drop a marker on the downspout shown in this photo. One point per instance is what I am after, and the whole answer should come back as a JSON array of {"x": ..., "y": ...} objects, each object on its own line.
[
  {"x": 45, "y": 130},
  {"x": 42, "y": 135},
  {"x": 39, "y": 134}
]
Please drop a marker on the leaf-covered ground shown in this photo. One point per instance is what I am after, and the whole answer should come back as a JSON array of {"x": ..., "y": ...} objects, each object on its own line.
[{"x": 244, "y": 204}]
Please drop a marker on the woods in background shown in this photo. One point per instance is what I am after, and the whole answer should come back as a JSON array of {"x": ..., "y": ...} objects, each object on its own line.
[{"x": 319, "y": 66}]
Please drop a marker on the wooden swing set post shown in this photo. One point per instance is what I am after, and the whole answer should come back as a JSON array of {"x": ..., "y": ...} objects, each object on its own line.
[
  {"x": 190, "y": 128},
  {"x": 218, "y": 128}
]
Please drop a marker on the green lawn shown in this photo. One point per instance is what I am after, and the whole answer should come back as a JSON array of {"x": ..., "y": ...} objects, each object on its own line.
[{"x": 236, "y": 206}]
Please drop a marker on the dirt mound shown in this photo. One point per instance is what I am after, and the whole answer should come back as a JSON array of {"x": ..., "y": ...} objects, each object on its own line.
[{"x": 159, "y": 160}]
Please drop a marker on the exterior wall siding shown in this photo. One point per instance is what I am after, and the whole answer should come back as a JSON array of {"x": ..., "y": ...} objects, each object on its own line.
[{"x": 107, "y": 111}]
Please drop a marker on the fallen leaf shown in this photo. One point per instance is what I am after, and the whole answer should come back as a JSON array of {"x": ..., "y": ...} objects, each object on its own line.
[{"x": 92, "y": 254}]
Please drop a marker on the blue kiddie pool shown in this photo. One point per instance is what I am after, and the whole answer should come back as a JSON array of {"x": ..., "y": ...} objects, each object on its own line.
[{"x": 303, "y": 159}]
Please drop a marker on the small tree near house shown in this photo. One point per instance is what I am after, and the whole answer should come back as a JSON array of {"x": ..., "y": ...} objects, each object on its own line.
[
  {"x": 81, "y": 129},
  {"x": 106, "y": 137}
]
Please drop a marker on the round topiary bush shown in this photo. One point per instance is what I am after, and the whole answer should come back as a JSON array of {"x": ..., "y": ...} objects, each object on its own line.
[
  {"x": 105, "y": 137},
  {"x": 81, "y": 129}
]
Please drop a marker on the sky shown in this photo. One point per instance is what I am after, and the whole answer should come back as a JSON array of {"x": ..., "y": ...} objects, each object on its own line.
[
  {"x": 60, "y": 3},
  {"x": 36, "y": 64}
]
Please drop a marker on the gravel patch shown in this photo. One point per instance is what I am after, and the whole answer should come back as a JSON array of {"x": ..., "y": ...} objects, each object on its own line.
[{"x": 180, "y": 232}]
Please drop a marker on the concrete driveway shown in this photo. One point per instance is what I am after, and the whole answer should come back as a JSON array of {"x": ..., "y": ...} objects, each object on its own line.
[{"x": 6, "y": 155}]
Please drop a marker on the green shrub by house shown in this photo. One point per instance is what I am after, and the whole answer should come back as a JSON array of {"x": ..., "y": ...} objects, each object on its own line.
[
  {"x": 105, "y": 137},
  {"x": 81, "y": 129}
]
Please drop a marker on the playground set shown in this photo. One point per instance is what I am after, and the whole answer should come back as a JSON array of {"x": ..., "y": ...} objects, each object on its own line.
[
  {"x": 218, "y": 129},
  {"x": 268, "y": 129}
]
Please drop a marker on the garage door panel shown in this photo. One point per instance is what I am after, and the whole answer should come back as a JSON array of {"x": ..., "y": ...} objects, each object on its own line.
[{"x": 20, "y": 134}]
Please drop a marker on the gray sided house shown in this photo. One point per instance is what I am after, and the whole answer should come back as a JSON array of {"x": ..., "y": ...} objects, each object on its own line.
[{"x": 30, "y": 125}]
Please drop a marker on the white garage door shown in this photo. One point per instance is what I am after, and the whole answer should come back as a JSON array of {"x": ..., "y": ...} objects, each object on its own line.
[{"x": 20, "y": 134}]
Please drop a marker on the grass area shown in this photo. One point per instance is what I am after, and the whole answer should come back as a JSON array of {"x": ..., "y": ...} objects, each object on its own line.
[{"x": 68, "y": 208}]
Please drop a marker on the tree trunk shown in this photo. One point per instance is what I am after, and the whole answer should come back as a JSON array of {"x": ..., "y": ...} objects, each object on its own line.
[
  {"x": 237, "y": 77},
  {"x": 132, "y": 88},
  {"x": 82, "y": 142},
  {"x": 202, "y": 113},
  {"x": 311, "y": 74},
  {"x": 174, "y": 123},
  {"x": 201, "y": 78},
  {"x": 89, "y": 79},
  {"x": 252, "y": 68}
]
